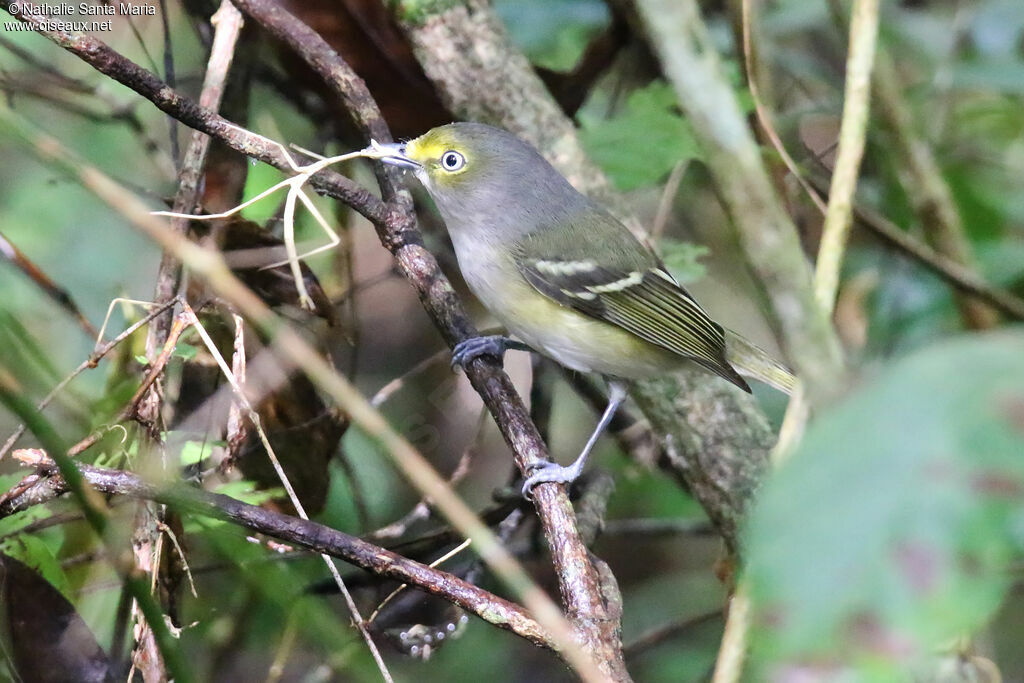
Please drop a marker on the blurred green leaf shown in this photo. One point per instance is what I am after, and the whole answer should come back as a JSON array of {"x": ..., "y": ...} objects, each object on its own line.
[
  {"x": 246, "y": 492},
  {"x": 642, "y": 144},
  {"x": 553, "y": 33},
  {"x": 890, "y": 531},
  {"x": 12, "y": 524},
  {"x": 1000, "y": 75},
  {"x": 683, "y": 259},
  {"x": 35, "y": 553},
  {"x": 194, "y": 452},
  {"x": 186, "y": 351}
]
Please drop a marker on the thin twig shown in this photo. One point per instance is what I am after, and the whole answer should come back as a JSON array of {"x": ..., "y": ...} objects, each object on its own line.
[
  {"x": 131, "y": 408},
  {"x": 668, "y": 194},
  {"x": 762, "y": 112},
  {"x": 235, "y": 431},
  {"x": 228, "y": 23},
  {"x": 852, "y": 135},
  {"x": 658, "y": 526},
  {"x": 393, "y": 594},
  {"x": 960, "y": 276},
  {"x": 658, "y": 635},
  {"x": 955, "y": 273},
  {"x": 58, "y": 294}
]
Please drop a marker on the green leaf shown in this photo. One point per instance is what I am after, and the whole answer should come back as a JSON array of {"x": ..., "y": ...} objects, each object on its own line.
[
  {"x": 12, "y": 524},
  {"x": 890, "y": 530},
  {"x": 194, "y": 452},
  {"x": 641, "y": 145},
  {"x": 33, "y": 552},
  {"x": 553, "y": 33},
  {"x": 186, "y": 351},
  {"x": 243, "y": 490},
  {"x": 246, "y": 492}
]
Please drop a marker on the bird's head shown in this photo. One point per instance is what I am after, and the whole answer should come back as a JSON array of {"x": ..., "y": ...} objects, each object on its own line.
[{"x": 476, "y": 171}]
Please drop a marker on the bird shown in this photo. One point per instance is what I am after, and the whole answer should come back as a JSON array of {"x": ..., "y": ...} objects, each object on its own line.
[{"x": 564, "y": 276}]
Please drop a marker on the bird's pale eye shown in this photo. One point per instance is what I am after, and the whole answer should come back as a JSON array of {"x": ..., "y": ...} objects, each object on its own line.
[{"x": 452, "y": 161}]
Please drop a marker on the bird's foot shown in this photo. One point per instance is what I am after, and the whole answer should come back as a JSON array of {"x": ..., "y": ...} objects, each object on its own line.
[
  {"x": 545, "y": 472},
  {"x": 489, "y": 345}
]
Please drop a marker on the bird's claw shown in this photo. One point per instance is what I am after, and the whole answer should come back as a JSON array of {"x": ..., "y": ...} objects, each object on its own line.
[
  {"x": 549, "y": 472},
  {"x": 474, "y": 347}
]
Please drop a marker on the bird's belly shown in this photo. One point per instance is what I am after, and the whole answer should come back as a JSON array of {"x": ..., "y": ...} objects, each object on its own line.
[
  {"x": 570, "y": 338},
  {"x": 588, "y": 345}
]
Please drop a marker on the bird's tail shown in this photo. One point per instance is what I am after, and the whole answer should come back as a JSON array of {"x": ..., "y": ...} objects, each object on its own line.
[{"x": 754, "y": 362}]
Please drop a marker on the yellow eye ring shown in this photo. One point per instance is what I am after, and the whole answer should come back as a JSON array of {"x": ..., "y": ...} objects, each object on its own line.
[{"x": 452, "y": 161}]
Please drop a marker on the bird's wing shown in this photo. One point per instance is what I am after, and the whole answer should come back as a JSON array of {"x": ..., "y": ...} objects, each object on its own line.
[{"x": 630, "y": 288}]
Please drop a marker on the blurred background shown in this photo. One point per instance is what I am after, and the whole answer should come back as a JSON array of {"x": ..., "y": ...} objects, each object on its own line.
[{"x": 257, "y": 614}]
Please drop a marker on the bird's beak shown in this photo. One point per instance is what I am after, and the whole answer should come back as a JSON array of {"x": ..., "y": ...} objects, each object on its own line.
[{"x": 391, "y": 153}]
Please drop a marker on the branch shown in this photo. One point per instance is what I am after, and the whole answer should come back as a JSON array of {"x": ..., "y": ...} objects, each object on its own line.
[
  {"x": 57, "y": 294},
  {"x": 956, "y": 273},
  {"x": 852, "y": 134},
  {"x": 316, "y": 537},
  {"x": 229, "y": 26}
]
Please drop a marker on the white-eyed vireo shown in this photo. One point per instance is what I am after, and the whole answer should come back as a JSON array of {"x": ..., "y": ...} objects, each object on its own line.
[{"x": 562, "y": 274}]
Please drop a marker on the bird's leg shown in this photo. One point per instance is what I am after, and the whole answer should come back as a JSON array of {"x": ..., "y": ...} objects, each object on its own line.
[
  {"x": 490, "y": 345},
  {"x": 552, "y": 471}
]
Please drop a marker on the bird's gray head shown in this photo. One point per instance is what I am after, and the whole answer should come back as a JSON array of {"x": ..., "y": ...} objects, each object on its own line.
[{"x": 484, "y": 178}]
